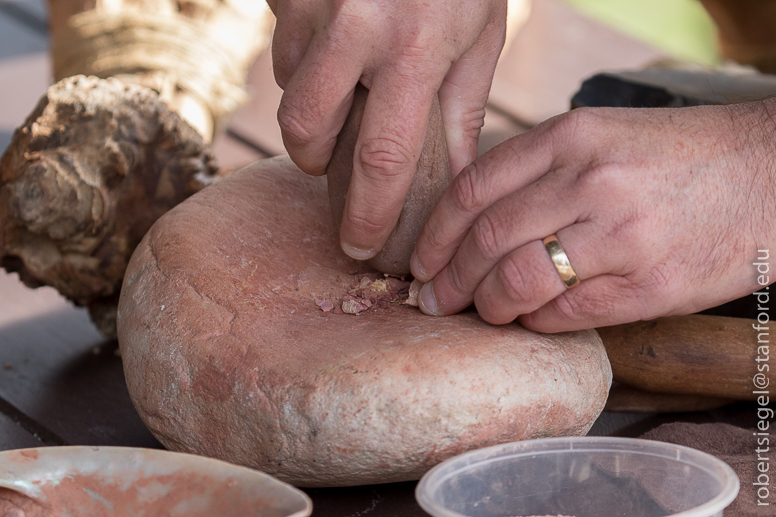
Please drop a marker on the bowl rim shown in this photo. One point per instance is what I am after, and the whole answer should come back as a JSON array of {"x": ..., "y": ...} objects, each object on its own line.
[
  {"x": 721, "y": 470},
  {"x": 15, "y": 462}
]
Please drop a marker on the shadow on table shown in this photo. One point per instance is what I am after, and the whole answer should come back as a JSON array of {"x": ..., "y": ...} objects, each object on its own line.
[{"x": 68, "y": 383}]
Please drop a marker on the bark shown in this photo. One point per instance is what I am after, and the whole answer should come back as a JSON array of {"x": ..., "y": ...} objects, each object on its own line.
[
  {"x": 99, "y": 160},
  {"x": 94, "y": 165}
]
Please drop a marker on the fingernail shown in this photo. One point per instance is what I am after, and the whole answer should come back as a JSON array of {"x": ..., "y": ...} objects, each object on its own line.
[
  {"x": 418, "y": 271},
  {"x": 427, "y": 301},
  {"x": 357, "y": 253}
]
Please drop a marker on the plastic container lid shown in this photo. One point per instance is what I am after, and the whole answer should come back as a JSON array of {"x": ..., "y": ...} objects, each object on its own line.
[{"x": 579, "y": 477}]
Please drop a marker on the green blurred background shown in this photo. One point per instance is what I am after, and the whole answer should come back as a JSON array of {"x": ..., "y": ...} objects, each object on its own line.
[{"x": 681, "y": 28}]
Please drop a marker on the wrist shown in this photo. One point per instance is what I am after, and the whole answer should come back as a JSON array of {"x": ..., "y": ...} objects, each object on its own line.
[{"x": 758, "y": 190}]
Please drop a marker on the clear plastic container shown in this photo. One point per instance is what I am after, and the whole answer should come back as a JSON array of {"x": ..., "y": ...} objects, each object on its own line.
[{"x": 579, "y": 477}]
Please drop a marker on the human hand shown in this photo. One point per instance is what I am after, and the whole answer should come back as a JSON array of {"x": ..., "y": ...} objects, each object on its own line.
[
  {"x": 404, "y": 52},
  {"x": 660, "y": 211}
]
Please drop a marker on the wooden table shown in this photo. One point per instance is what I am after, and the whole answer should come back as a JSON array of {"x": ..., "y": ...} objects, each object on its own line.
[{"x": 61, "y": 383}]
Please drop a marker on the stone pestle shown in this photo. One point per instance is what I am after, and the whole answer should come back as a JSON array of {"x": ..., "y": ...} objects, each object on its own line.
[{"x": 432, "y": 178}]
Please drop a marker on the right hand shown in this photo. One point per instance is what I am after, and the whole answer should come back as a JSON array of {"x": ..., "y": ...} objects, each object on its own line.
[
  {"x": 660, "y": 211},
  {"x": 404, "y": 52}
]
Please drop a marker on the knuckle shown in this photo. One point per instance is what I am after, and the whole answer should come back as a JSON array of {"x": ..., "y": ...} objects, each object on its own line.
[
  {"x": 296, "y": 129},
  {"x": 369, "y": 223},
  {"x": 516, "y": 284},
  {"x": 566, "y": 308},
  {"x": 432, "y": 236},
  {"x": 419, "y": 42},
  {"x": 492, "y": 311},
  {"x": 576, "y": 120},
  {"x": 582, "y": 305},
  {"x": 633, "y": 233},
  {"x": 486, "y": 237},
  {"x": 656, "y": 284},
  {"x": 606, "y": 182},
  {"x": 601, "y": 176},
  {"x": 640, "y": 296},
  {"x": 569, "y": 307},
  {"x": 385, "y": 157},
  {"x": 624, "y": 299},
  {"x": 466, "y": 191},
  {"x": 472, "y": 121},
  {"x": 456, "y": 279},
  {"x": 573, "y": 127}
]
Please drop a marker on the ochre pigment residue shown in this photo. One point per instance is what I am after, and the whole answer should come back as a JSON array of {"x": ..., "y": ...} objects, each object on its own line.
[
  {"x": 14, "y": 504},
  {"x": 30, "y": 454},
  {"x": 194, "y": 495},
  {"x": 372, "y": 290}
]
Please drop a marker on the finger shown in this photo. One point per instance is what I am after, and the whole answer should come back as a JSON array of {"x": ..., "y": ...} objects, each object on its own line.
[
  {"x": 598, "y": 302},
  {"x": 526, "y": 279},
  {"x": 464, "y": 93},
  {"x": 529, "y": 214},
  {"x": 316, "y": 102},
  {"x": 504, "y": 169},
  {"x": 294, "y": 30},
  {"x": 393, "y": 129}
]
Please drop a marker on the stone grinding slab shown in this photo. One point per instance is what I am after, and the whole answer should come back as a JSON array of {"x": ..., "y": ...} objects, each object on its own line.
[{"x": 226, "y": 353}]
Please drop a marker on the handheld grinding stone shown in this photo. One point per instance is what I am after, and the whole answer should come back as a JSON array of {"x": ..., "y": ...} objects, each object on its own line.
[{"x": 432, "y": 178}]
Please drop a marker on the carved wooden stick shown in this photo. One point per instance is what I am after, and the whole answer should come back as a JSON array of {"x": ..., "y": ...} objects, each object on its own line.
[
  {"x": 711, "y": 356},
  {"x": 627, "y": 399}
]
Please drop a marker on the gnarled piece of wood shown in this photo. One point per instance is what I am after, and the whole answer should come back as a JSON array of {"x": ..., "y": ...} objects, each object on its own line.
[{"x": 91, "y": 169}]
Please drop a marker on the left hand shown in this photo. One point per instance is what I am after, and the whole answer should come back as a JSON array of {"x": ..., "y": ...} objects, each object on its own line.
[
  {"x": 404, "y": 52},
  {"x": 660, "y": 211}
]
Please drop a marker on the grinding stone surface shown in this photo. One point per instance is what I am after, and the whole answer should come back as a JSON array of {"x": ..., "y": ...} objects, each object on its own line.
[{"x": 227, "y": 355}]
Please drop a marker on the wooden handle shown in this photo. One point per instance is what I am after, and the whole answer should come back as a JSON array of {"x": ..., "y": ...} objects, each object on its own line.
[
  {"x": 694, "y": 355},
  {"x": 627, "y": 399}
]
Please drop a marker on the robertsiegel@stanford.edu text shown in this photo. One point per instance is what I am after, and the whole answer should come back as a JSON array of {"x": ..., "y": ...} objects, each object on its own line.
[{"x": 762, "y": 380}]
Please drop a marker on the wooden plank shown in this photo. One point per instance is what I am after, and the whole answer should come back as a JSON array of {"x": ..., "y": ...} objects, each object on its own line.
[
  {"x": 389, "y": 500},
  {"x": 14, "y": 436},
  {"x": 61, "y": 374},
  {"x": 556, "y": 49},
  {"x": 233, "y": 154},
  {"x": 257, "y": 120},
  {"x": 497, "y": 128}
]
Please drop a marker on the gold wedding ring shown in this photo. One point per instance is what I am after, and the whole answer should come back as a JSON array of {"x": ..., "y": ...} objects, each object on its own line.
[{"x": 561, "y": 261}]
